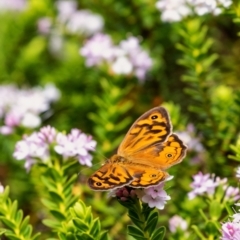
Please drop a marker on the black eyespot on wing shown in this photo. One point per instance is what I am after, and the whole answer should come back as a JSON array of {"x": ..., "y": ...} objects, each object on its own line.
[
  {"x": 169, "y": 155},
  {"x": 98, "y": 184},
  {"x": 154, "y": 117}
]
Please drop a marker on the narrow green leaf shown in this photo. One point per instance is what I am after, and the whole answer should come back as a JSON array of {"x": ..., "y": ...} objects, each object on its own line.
[
  {"x": 84, "y": 236},
  {"x": 151, "y": 224},
  {"x": 12, "y": 236},
  {"x": 52, "y": 223},
  {"x": 27, "y": 231},
  {"x": 8, "y": 222},
  {"x": 13, "y": 210},
  {"x": 95, "y": 227},
  {"x": 135, "y": 232},
  {"x": 88, "y": 215},
  {"x": 60, "y": 216},
  {"x": 104, "y": 236},
  {"x": 159, "y": 233},
  {"x": 2, "y": 231},
  {"x": 80, "y": 209},
  {"x": 47, "y": 203},
  {"x": 24, "y": 223},
  {"x": 81, "y": 225},
  {"x": 56, "y": 197},
  {"x": 19, "y": 217}
]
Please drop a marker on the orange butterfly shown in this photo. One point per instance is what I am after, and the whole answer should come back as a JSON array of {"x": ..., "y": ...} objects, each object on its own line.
[{"x": 148, "y": 148}]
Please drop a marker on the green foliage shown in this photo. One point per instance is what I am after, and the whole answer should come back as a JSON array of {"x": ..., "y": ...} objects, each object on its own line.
[
  {"x": 145, "y": 220},
  {"x": 110, "y": 117},
  {"x": 16, "y": 227}
]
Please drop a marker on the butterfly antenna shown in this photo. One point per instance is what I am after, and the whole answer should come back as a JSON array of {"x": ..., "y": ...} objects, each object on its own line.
[{"x": 98, "y": 153}]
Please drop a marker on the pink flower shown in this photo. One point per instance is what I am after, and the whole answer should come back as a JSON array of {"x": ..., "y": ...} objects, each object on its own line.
[
  {"x": 230, "y": 231},
  {"x": 76, "y": 144},
  {"x": 176, "y": 222},
  {"x": 37, "y": 146},
  {"x": 204, "y": 184},
  {"x": 155, "y": 196}
]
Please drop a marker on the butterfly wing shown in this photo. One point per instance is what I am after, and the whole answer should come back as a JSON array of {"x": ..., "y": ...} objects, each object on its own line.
[
  {"x": 114, "y": 175},
  {"x": 162, "y": 155},
  {"x": 152, "y": 128},
  {"x": 110, "y": 176}
]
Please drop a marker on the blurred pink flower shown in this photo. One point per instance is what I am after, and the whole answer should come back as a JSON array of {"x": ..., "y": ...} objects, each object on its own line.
[
  {"x": 22, "y": 107},
  {"x": 126, "y": 58},
  {"x": 177, "y": 222},
  {"x": 204, "y": 184},
  {"x": 44, "y": 25},
  {"x": 13, "y": 5}
]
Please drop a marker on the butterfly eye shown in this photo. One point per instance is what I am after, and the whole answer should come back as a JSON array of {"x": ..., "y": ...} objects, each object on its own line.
[{"x": 154, "y": 117}]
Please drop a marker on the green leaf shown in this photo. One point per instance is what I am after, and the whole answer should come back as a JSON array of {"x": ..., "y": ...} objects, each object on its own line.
[
  {"x": 158, "y": 234},
  {"x": 8, "y": 222},
  {"x": 81, "y": 225},
  {"x": 136, "y": 233},
  {"x": 104, "y": 236},
  {"x": 52, "y": 223},
  {"x": 24, "y": 223},
  {"x": 58, "y": 215},
  {"x": 12, "y": 236},
  {"x": 84, "y": 236},
  {"x": 80, "y": 209},
  {"x": 2, "y": 231},
  {"x": 47, "y": 203},
  {"x": 56, "y": 197},
  {"x": 151, "y": 224},
  {"x": 95, "y": 227}
]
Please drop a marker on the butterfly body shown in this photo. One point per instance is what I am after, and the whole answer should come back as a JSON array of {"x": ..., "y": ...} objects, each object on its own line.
[{"x": 147, "y": 150}]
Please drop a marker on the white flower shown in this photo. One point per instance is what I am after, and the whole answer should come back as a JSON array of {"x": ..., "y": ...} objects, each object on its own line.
[
  {"x": 85, "y": 22},
  {"x": 65, "y": 9},
  {"x": 122, "y": 65},
  {"x": 31, "y": 120},
  {"x": 1, "y": 188},
  {"x": 238, "y": 172}
]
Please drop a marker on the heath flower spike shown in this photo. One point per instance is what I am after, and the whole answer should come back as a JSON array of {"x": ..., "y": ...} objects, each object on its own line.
[
  {"x": 204, "y": 184},
  {"x": 38, "y": 145}
]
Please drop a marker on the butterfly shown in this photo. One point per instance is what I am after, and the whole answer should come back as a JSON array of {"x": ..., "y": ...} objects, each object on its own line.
[{"x": 147, "y": 150}]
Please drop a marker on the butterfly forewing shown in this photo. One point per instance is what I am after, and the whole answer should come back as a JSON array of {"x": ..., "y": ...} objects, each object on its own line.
[
  {"x": 151, "y": 128},
  {"x": 162, "y": 155}
]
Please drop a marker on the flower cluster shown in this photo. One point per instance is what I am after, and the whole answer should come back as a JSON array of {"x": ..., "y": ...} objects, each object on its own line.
[
  {"x": 193, "y": 142},
  {"x": 126, "y": 58},
  {"x": 176, "y": 10},
  {"x": 13, "y": 5},
  {"x": 22, "y": 107},
  {"x": 206, "y": 184},
  {"x": 154, "y": 196},
  {"x": 38, "y": 145},
  {"x": 74, "y": 21}
]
